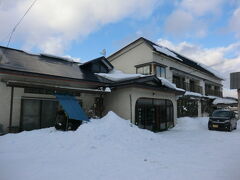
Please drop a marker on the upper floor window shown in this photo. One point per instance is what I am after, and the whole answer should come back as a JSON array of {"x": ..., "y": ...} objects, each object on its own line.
[
  {"x": 161, "y": 71},
  {"x": 144, "y": 70}
]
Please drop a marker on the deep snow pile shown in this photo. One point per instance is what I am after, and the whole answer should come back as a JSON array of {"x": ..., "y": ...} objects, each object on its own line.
[{"x": 112, "y": 148}]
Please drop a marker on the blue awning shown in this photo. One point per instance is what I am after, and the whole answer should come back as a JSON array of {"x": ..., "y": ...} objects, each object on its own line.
[{"x": 72, "y": 107}]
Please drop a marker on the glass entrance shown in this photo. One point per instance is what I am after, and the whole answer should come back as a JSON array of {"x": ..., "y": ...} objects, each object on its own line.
[{"x": 154, "y": 114}]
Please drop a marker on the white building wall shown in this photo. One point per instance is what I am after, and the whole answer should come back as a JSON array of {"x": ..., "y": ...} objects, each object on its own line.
[
  {"x": 178, "y": 65},
  {"x": 5, "y": 95},
  {"x": 141, "y": 53},
  {"x": 118, "y": 101},
  {"x": 126, "y": 61},
  {"x": 5, "y": 101}
]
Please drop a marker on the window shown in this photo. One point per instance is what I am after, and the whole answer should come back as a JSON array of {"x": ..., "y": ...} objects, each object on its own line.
[
  {"x": 179, "y": 81},
  {"x": 49, "y": 91},
  {"x": 161, "y": 71},
  {"x": 36, "y": 114},
  {"x": 144, "y": 70}
]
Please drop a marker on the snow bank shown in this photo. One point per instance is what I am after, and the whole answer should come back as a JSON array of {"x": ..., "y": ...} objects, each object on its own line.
[
  {"x": 112, "y": 148},
  {"x": 224, "y": 101},
  {"x": 189, "y": 124},
  {"x": 117, "y": 75}
]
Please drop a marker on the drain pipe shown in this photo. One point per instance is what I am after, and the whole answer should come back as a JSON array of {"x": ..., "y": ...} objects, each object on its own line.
[
  {"x": 11, "y": 109},
  {"x": 130, "y": 98}
]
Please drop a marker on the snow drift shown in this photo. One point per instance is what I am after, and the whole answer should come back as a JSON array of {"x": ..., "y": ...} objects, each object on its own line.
[{"x": 112, "y": 148}]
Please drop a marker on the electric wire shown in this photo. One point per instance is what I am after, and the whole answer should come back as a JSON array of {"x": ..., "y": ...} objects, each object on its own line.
[{"x": 20, "y": 20}]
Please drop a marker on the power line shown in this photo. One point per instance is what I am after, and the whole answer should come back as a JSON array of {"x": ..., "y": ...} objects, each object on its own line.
[{"x": 18, "y": 23}]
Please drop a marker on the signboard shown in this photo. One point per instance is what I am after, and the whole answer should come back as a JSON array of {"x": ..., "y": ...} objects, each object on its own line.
[{"x": 235, "y": 80}]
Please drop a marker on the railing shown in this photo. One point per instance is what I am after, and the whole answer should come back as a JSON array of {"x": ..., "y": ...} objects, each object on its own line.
[
  {"x": 189, "y": 87},
  {"x": 211, "y": 92}
]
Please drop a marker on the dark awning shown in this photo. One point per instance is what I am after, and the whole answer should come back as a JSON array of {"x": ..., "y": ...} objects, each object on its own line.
[{"x": 72, "y": 107}]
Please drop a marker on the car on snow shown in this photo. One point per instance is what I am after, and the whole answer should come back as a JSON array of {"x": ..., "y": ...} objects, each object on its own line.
[{"x": 223, "y": 120}]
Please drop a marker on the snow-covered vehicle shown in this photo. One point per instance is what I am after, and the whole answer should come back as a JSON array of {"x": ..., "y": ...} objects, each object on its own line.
[{"x": 223, "y": 120}]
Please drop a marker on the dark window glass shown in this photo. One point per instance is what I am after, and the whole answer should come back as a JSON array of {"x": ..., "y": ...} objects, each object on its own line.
[
  {"x": 38, "y": 114},
  {"x": 222, "y": 114},
  {"x": 49, "y": 91},
  {"x": 154, "y": 114}
]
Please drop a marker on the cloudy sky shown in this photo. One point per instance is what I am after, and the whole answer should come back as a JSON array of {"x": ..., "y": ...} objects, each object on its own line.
[{"x": 207, "y": 31}]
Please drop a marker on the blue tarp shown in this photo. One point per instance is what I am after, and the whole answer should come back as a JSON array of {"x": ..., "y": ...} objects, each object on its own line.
[{"x": 72, "y": 107}]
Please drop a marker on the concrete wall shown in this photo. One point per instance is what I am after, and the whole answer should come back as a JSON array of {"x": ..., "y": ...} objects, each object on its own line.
[{"x": 118, "y": 101}]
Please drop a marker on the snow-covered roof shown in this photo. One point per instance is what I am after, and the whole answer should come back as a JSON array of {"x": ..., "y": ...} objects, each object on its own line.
[
  {"x": 168, "y": 84},
  {"x": 66, "y": 58},
  {"x": 166, "y": 51},
  {"x": 117, "y": 75},
  {"x": 224, "y": 101},
  {"x": 189, "y": 93},
  {"x": 217, "y": 74}
]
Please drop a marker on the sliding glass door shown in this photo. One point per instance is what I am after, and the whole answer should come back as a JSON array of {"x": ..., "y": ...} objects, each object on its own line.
[{"x": 36, "y": 114}]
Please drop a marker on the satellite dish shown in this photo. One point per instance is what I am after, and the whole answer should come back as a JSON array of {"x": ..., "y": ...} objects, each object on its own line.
[{"x": 103, "y": 52}]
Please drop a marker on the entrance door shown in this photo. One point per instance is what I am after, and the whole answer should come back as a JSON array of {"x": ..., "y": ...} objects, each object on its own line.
[
  {"x": 154, "y": 114},
  {"x": 30, "y": 114},
  {"x": 48, "y": 113},
  {"x": 37, "y": 114}
]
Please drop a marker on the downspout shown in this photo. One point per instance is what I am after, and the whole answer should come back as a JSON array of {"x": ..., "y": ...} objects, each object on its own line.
[
  {"x": 11, "y": 109},
  {"x": 238, "y": 103},
  {"x": 130, "y": 98}
]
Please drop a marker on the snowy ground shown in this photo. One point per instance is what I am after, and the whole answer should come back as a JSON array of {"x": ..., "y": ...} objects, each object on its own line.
[{"x": 112, "y": 149}]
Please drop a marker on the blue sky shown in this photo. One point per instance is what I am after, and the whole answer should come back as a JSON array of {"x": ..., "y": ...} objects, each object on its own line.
[
  {"x": 205, "y": 31},
  {"x": 115, "y": 35}
]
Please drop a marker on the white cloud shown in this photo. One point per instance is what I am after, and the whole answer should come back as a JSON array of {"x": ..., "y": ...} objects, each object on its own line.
[
  {"x": 178, "y": 22},
  {"x": 217, "y": 58},
  {"x": 188, "y": 18},
  {"x": 52, "y": 25},
  {"x": 234, "y": 22},
  {"x": 201, "y": 7}
]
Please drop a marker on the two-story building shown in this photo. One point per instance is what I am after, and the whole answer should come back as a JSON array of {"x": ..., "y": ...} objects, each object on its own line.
[
  {"x": 34, "y": 87},
  {"x": 202, "y": 85}
]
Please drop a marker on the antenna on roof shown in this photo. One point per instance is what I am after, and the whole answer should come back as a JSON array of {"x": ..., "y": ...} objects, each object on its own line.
[{"x": 103, "y": 52}]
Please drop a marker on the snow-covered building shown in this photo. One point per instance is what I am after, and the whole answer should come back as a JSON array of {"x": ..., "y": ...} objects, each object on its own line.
[
  {"x": 32, "y": 85},
  {"x": 201, "y": 83}
]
